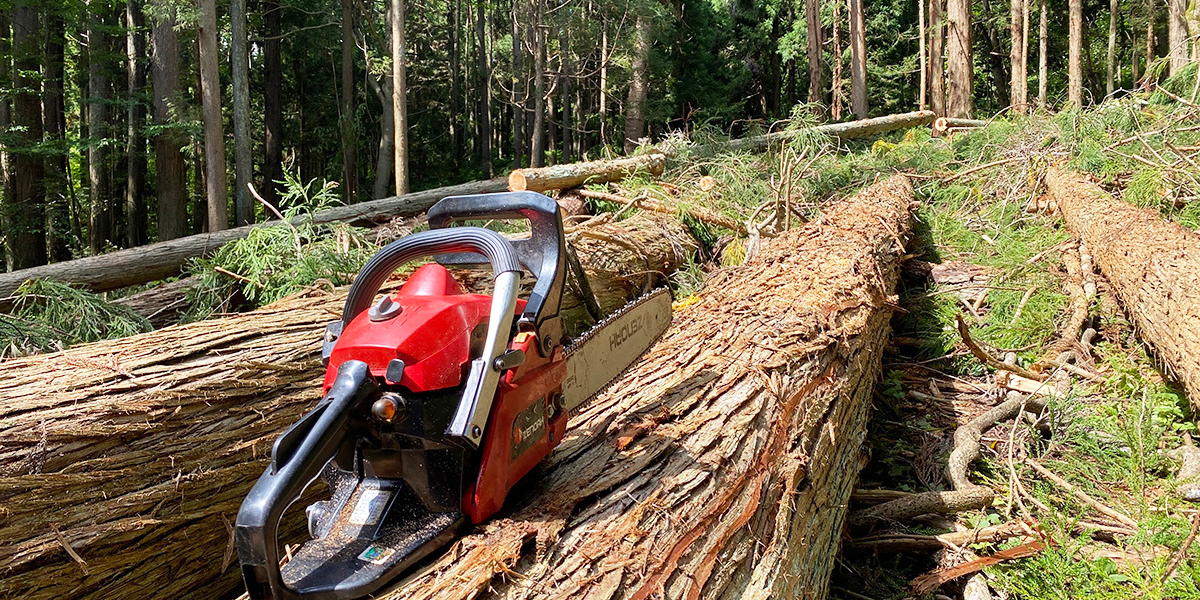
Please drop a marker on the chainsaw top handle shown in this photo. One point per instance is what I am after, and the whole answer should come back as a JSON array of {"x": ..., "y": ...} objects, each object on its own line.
[
  {"x": 542, "y": 253},
  {"x": 471, "y": 416}
]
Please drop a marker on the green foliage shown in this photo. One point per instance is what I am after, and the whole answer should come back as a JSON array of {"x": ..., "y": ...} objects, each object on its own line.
[
  {"x": 273, "y": 262},
  {"x": 49, "y": 316}
]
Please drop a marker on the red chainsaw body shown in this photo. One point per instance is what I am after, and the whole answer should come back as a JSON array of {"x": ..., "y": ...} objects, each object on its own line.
[{"x": 433, "y": 336}]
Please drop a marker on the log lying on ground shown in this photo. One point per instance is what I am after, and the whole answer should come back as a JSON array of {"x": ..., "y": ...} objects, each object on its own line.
[
  {"x": 1152, "y": 264},
  {"x": 849, "y": 130},
  {"x": 134, "y": 266},
  {"x": 560, "y": 177},
  {"x": 944, "y": 124},
  {"x": 722, "y": 464},
  {"x": 136, "y": 453}
]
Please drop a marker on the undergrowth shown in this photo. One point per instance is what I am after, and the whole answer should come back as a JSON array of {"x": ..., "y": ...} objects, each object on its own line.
[{"x": 49, "y": 316}]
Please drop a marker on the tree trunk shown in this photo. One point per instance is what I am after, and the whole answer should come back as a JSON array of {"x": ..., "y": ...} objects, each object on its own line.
[
  {"x": 214, "y": 132},
  {"x": 1153, "y": 266},
  {"x": 272, "y": 103},
  {"x": 537, "y": 154},
  {"x": 6, "y": 175},
  {"x": 135, "y": 266},
  {"x": 721, "y": 465},
  {"x": 138, "y": 465},
  {"x": 603, "y": 91},
  {"x": 1109, "y": 83},
  {"x": 994, "y": 54},
  {"x": 518, "y": 85},
  {"x": 55, "y": 130},
  {"x": 349, "y": 187},
  {"x": 168, "y": 142},
  {"x": 1017, "y": 56},
  {"x": 135, "y": 141},
  {"x": 485, "y": 90},
  {"x": 457, "y": 119},
  {"x": 850, "y": 130},
  {"x": 1043, "y": 35},
  {"x": 1177, "y": 34},
  {"x": 923, "y": 65},
  {"x": 1150, "y": 10},
  {"x": 26, "y": 237},
  {"x": 565, "y": 79},
  {"x": 639, "y": 81},
  {"x": 1075, "y": 55},
  {"x": 387, "y": 130},
  {"x": 816, "y": 87},
  {"x": 937, "y": 44},
  {"x": 399, "y": 97},
  {"x": 243, "y": 161},
  {"x": 858, "y": 60},
  {"x": 100, "y": 231},
  {"x": 564, "y": 176},
  {"x": 958, "y": 51}
]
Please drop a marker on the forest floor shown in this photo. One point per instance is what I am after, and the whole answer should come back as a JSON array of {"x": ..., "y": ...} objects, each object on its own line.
[{"x": 988, "y": 252}]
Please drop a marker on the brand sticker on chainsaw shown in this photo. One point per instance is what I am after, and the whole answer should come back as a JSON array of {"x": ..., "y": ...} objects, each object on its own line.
[
  {"x": 628, "y": 330},
  {"x": 376, "y": 555},
  {"x": 528, "y": 427},
  {"x": 370, "y": 507}
]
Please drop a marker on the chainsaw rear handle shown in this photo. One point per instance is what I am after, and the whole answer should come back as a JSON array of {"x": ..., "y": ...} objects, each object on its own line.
[
  {"x": 542, "y": 253},
  {"x": 298, "y": 457},
  {"x": 473, "y": 410}
]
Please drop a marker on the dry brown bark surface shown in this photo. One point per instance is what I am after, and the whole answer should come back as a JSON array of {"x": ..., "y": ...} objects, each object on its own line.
[
  {"x": 721, "y": 465},
  {"x": 136, "y": 453},
  {"x": 1152, "y": 264}
]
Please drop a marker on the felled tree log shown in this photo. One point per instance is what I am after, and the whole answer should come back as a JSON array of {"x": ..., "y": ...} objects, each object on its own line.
[
  {"x": 134, "y": 454},
  {"x": 1152, "y": 264},
  {"x": 571, "y": 175},
  {"x": 134, "y": 266},
  {"x": 848, "y": 130},
  {"x": 722, "y": 464},
  {"x": 944, "y": 124}
]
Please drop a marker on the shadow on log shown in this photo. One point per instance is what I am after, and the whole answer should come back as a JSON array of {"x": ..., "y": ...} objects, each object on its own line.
[
  {"x": 134, "y": 454},
  {"x": 1152, "y": 264},
  {"x": 721, "y": 465}
]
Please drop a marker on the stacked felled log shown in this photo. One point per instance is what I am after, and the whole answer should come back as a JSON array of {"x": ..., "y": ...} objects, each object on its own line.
[
  {"x": 123, "y": 463},
  {"x": 1152, "y": 264},
  {"x": 722, "y": 464}
]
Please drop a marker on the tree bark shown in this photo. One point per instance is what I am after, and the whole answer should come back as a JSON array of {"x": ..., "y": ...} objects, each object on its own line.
[
  {"x": 273, "y": 103},
  {"x": 100, "y": 231},
  {"x": 139, "y": 464},
  {"x": 923, "y": 64},
  {"x": 243, "y": 161},
  {"x": 1043, "y": 35},
  {"x": 858, "y": 60},
  {"x": 387, "y": 121},
  {"x": 484, "y": 90},
  {"x": 1109, "y": 82},
  {"x": 1152, "y": 264},
  {"x": 400, "y": 97},
  {"x": 456, "y": 117},
  {"x": 1075, "y": 55},
  {"x": 1177, "y": 34},
  {"x": 135, "y": 140},
  {"x": 349, "y": 187},
  {"x": 721, "y": 465},
  {"x": 836, "y": 101},
  {"x": 1150, "y": 17},
  {"x": 566, "y": 78},
  {"x": 214, "y": 132},
  {"x": 639, "y": 81},
  {"x": 960, "y": 70},
  {"x": 994, "y": 54},
  {"x": 26, "y": 236},
  {"x": 812, "y": 18},
  {"x": 1018, "y": 56},
  {"x": 937, "y": 43},
  {"x": 518, "y": 85},
  {"x": 602, "y": 93},
  {"x": 168, "y": 142}
]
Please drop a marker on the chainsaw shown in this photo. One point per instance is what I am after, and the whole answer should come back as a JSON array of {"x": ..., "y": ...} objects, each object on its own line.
[{"x": 436, "y": 402}]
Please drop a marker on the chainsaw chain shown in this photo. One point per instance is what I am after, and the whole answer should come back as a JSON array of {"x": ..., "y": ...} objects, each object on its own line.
[{"x": 599, "y": 326}]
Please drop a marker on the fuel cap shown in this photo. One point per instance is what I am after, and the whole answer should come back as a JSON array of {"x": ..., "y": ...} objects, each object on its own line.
[{"x": 384, "y": 310}]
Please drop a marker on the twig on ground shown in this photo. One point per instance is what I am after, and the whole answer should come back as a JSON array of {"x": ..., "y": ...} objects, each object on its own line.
[
  {"x": 1078, "y": 493},
  {"x": 1183, "y": 548},
  {"x": 1003, "y": 161},
  {"x": 990, "y": 360}
]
